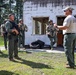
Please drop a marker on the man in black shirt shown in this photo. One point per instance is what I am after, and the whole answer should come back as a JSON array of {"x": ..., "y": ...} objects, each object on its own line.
[{"x": 13, "y": 31}]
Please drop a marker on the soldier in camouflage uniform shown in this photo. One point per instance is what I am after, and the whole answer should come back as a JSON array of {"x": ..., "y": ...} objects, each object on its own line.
[
  {"x": 22, "y": 28},
  {"x": 51, "y": 31},
  {"x": 4, "y": 33}
]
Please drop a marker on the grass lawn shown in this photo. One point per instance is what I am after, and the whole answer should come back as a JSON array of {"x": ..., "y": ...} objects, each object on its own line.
[
  {"x": 36, "y": 63},
  {"x": 1, "y": 41}
]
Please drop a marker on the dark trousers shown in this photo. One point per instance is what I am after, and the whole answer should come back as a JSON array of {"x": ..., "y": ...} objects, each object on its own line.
[
  {"x": 5, "y": 40},
  {"x": 69, "y": 46},
  {"x": 12, "y": 46},
  {"x": 21, "y": 39}
]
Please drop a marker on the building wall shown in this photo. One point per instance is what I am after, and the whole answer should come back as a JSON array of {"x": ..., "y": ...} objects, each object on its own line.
[{"x": 32, "y": 10}]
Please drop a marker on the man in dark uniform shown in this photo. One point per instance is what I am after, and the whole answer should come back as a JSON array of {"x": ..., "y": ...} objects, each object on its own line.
[
  {"x": 22, "y": 29},
  {"x": 4, "y": 33},
  {"x": 13, "y": 31}
]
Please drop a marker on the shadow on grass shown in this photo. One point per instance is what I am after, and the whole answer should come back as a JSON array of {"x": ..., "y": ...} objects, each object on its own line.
[
  {"x": 3, "y": 55},
  {"x": 34, "y": 64},
  {"x": 29, "y": 63},
  {"x": 1, "y": 52},
  {"x": 3, "y": 72}
]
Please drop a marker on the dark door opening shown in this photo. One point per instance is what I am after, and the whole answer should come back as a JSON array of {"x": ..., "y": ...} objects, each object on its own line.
[{"x": 60, "y": 20}]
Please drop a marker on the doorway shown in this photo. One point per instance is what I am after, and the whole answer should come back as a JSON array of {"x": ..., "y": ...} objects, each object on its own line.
[{"x": 60, "y": 36}]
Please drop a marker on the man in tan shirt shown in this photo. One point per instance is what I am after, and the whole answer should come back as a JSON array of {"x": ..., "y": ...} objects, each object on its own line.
[{"x": 69, "y": 31}]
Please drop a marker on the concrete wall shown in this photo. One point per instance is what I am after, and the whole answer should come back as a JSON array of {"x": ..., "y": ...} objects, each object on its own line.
[{"x": 32, "y": 10}]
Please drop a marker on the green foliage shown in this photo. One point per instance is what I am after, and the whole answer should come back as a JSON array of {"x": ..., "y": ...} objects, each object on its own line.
[{"x": 10, "y": 6}]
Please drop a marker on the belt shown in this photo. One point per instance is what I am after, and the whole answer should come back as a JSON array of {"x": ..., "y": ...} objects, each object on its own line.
[{"x": 69, "y": 33}]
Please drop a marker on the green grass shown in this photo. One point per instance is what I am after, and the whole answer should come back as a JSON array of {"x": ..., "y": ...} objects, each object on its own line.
[
  {"x": 36, "y": 63},
  {"x": 1, "y": 41}
]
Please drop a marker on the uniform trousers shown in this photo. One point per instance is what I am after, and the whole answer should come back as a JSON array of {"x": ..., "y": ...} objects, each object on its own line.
[
  {"x": 12, "y": 46},
  {"x": 69, "y": 47}
]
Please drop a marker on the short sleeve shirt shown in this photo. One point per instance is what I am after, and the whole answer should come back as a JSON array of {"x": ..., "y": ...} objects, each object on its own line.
[{"x": 70, "y": 22}]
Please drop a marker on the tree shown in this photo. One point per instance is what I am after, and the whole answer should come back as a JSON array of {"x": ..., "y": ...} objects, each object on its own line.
[
  {"x": 11, "y": 6},
  {"x": 2, "y": 5},
  {"x": 19, "y": 9},
  {"x": 5, "y": 6}
]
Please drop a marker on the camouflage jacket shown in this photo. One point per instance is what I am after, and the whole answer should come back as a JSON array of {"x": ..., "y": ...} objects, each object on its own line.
[{"x": 51, "y": 30}]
